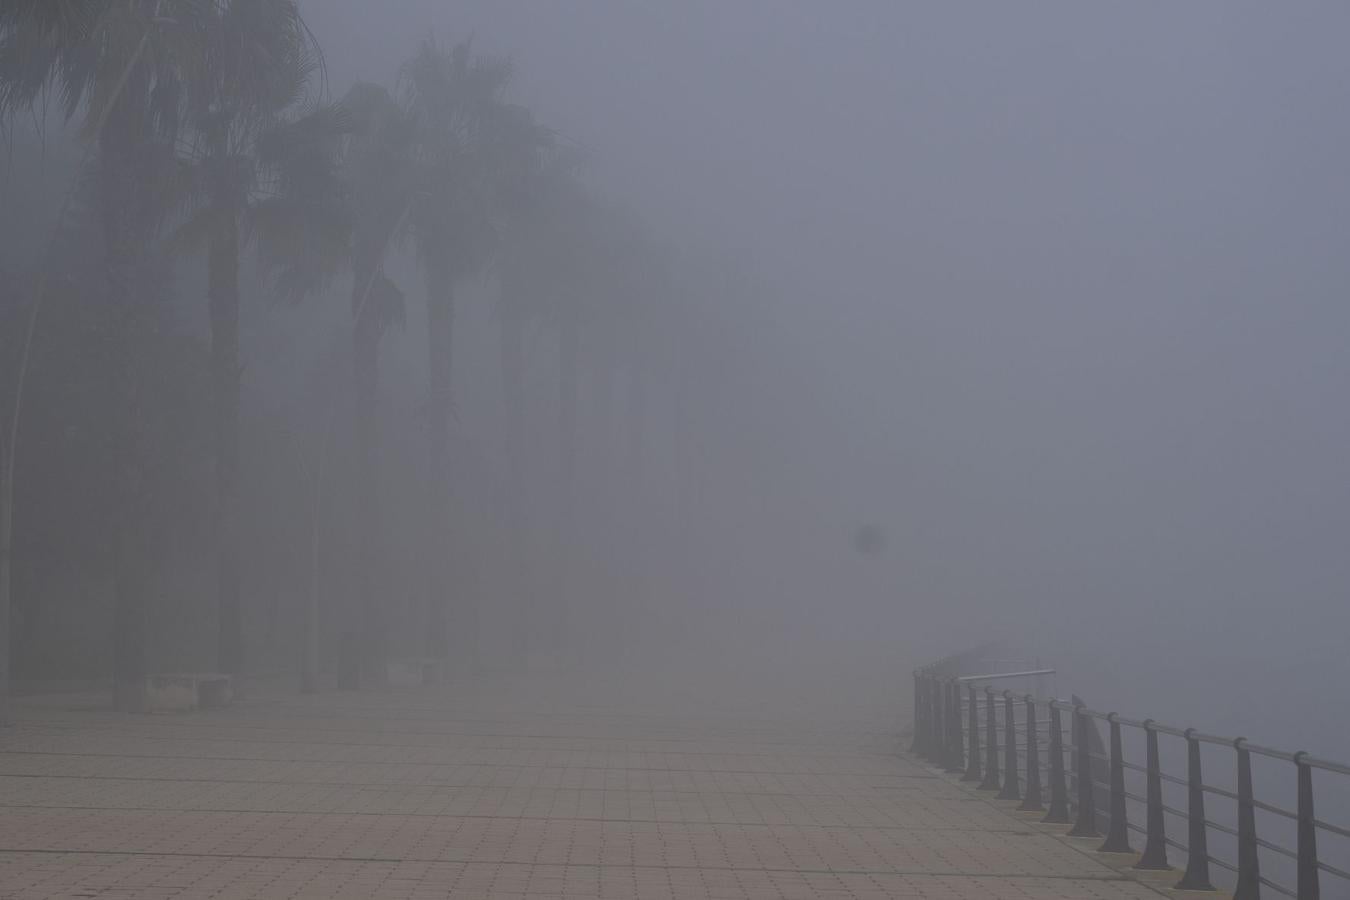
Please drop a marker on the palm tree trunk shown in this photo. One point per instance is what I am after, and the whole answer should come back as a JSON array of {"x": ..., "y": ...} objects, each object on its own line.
[
  {"x": 440, "y": 334},
  {"x": 223, "y": 302},
  {"x": 685, "y": 482},
  {"x": 129, "y": 629},
  {"x": 126, "y": 237},
  {"x": 309, "y": 661},
  {"x": 603, "y": 427},
  {"x": 9, "y": 442},
  {"x": 513, "y": 395},
  {"x": 637, "y": 424},
  {"x": 365, "y": 358},
  {"x": 569, "y": 351},
  {"x": 129, "y": 619},
  {"x": 634, "y": 507},
  {"x": 512, "y": 359},
  {"x": 6, "y": 573}
]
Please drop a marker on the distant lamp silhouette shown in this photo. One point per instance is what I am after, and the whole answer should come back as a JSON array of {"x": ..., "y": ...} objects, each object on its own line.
[{"x": 869, "y": 540}]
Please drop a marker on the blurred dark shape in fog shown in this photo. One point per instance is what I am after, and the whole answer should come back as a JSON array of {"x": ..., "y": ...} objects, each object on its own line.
[{"x": 869, "y": 540}]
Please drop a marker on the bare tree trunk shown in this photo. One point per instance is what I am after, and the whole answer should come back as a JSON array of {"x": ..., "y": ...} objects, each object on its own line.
[
  {"x": 223, "y": 304},
  {"x": 440, "y": 334}
]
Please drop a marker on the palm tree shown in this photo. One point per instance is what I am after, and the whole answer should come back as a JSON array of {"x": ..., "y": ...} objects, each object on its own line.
[
  {"x": 551, "y": 268},
  {"x": 118, "y": 62},
  {"x": 341, "y": 191},
  {"x": 381, "y": 186},
  {"x": 301, "y": 226},
  {"x": 252, "y": 62},
  {"x": 470, "y": 147}
]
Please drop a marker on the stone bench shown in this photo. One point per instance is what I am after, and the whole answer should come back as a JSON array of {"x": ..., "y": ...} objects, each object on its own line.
[
  {"x": 412, "y": 672},
  {"x": 183, "y": 692}
]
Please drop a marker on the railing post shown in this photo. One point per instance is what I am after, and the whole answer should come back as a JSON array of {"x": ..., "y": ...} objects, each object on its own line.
[
  {"x": 990, "y": 782},
  {"x": 924, "y": 717},
  {"x": 1155, "y": 843},
  {"x": 1196, "y": 876},
  {"x": 945, "y": 761},
  {"x": 1118, "y": 834},
  {"x": 935, "y": 740},
  {"x": 1249, "y": 868},
  {"x": 1010, "y": 787},
  {"x": 1032, "y": 801},
  {"x": 973, "y": 756},
  {"x": 1309, "y": 886},
  {"x": 956, "y": 753},
  {"x": 1086, "y": 823},
  {"x": 917, "y": 744},
  {"x": 1058, "y": 813}
]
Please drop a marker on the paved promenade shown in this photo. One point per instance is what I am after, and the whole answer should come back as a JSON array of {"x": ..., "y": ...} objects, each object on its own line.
[{"x": 496, "y": 789}]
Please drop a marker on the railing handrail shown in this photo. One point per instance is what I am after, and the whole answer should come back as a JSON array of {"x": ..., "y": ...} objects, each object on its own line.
[
  {"x": 1026, "y": 674},
  {"x": 1296, "y": 756},
  {"x": 947, "y": 724}
]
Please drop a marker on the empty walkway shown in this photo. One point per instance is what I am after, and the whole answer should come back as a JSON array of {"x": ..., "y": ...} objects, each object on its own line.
[{"x": 490, "y": 789}]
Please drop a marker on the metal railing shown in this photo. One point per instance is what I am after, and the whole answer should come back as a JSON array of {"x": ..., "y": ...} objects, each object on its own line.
[{"x": 1022, "y": 757}]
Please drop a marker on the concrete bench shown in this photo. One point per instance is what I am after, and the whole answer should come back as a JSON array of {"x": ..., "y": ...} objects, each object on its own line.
[
  {"x": 412, "y": 672},
  {"x": 179, "y": 693}
]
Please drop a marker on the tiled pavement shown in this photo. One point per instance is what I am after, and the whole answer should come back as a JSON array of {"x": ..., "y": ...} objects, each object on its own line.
[{"x": 494, "y": 790}]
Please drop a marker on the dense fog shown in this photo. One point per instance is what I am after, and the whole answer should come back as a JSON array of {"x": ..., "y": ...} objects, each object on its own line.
[{"x": 765, "y": 350}]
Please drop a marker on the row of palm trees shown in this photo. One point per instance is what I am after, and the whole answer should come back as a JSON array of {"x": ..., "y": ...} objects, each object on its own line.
[{"x": 208, "y": 130}]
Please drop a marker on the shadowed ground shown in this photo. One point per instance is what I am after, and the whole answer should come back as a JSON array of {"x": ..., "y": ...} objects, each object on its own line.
[{"x": 496, "y": 788}]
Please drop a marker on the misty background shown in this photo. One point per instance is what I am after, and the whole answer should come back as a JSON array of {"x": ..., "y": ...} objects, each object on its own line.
[{"x": 1054, "y": 294}]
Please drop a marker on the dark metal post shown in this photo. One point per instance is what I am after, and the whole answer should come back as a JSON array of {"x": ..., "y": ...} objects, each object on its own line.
[
  {"x": 934, "y": 720},
  {"x": 990, "y": 782},
  {"x": 1086, "y": 823},
  {"x": 917, "y": 744},
  {"x": 973, "y": 757},
  {"x": 1118, "y": 835},
  {"x": 1196, "y": 876},
  {"x": 941, "y": 737},
  {"x": 935, "y": 733},
  {"x": 1010, "y": 787},
  {"x": 947, "y": 725},
  {"x": 925, "y": 717},
  {"x": 956, "y": 754},
  {"x": 1155, "y": 844},
  {"x": 1309, "y": 887},
  {"x": 1058, "y": 813},
  {"x": 1032, "y": 801},
  {"x": 1249, "y": 868}
]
